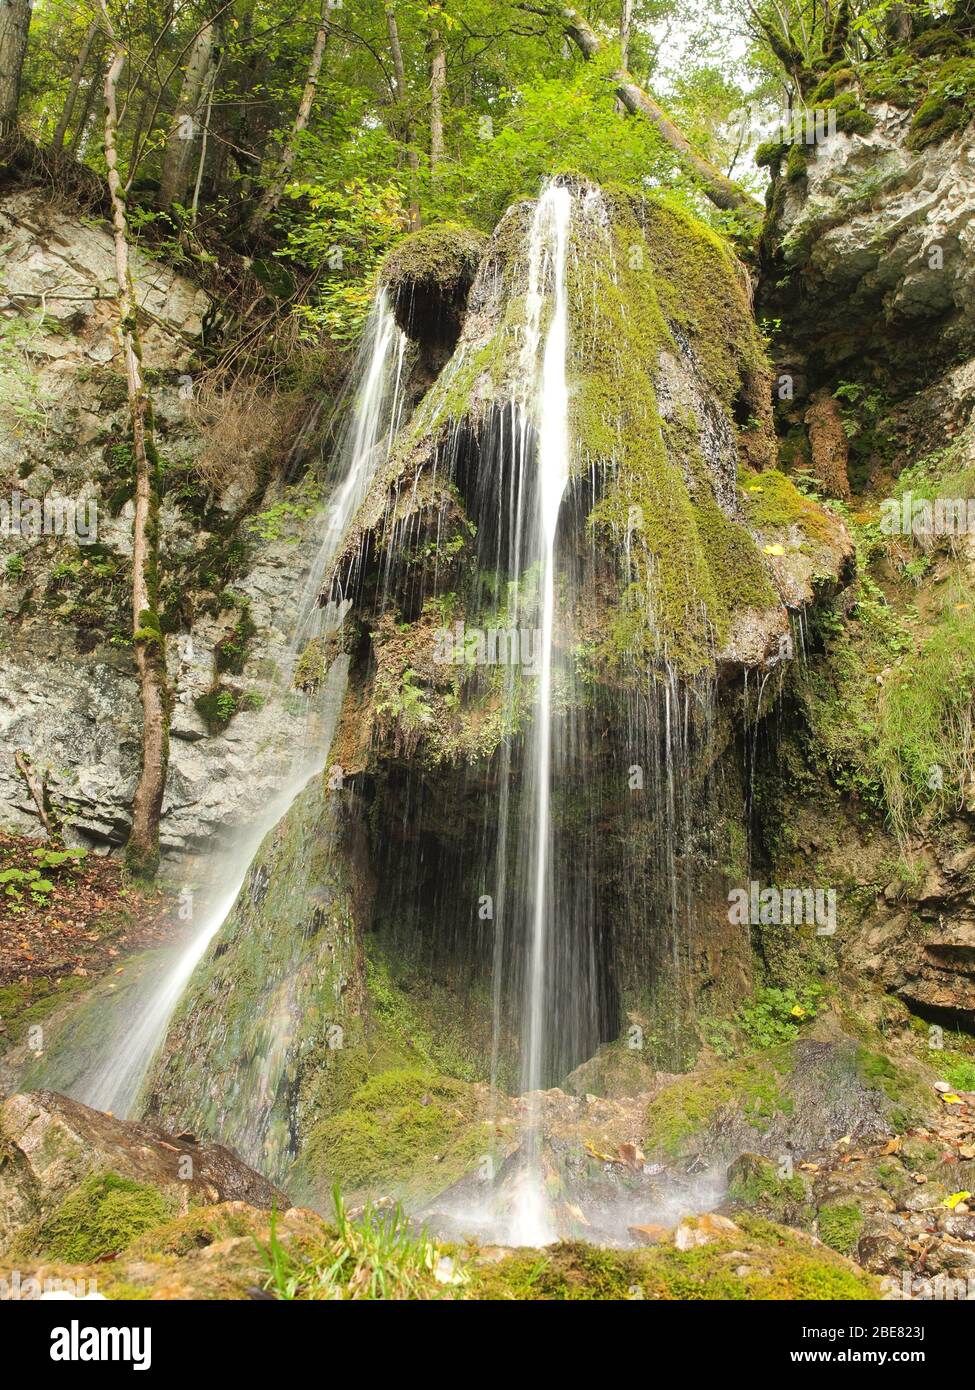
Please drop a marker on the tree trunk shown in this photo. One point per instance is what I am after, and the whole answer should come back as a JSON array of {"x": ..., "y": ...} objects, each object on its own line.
[
  {"x": 14, "y": 27},
  {"x": 183, "y": 143},
  {"x": 39, "y": 794},
  {"x": 142, "y": 851},
  {"x": 201, "y": 163},
  {"x": 79, "y": 139},
  {"x": 720, "y": 190},
  {"x": 272, "y": 194},
  {"x": 405, "y": 130},
  {"x": 78, "y": 72},
  {"x": 438, "y": 83},
  {"x": 626, "y": 22},
  {"x": 626, "y": 26}
]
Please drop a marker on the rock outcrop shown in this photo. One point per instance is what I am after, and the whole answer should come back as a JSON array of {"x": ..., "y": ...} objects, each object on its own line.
[
  {"x": 68, "y": 694},
  {"x": 50, "y": 1147}
]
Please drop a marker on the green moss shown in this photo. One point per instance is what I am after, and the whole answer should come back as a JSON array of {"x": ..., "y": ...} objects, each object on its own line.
[
  {"x": 424, "y": 1022},
  {"x": 230, "y": 652},
  {"x": 680, "y": 1117},
  {"x": 903, "y": 1090},
  {"x": 690, "y": 567},
  {"x": 948, "y": 106},
  {"x": 763, "y": 1261},
  {"x": 797, "y": 163},
  {"x": 770, "y": 154},
  {"x": 428, "y": 275},
  {"x": 839, "y": 76},
  {"x": 30, "y": 1002},
  {"x": 310, "y": 667},
  {"x": 100, "y": 1218},
  {"x": 839, "y": 1226},
  {"x": 445, "y": 252},
  {"x": 196, "y": 1229},
  {"x": 851, "y": 117},
  {"x": 755, "y": 1184},
  {"x": 772, "y": 502},
  {"x": 408, "y": 1130},
  {"x": 924, "y": 719},
  {"x": 939, "y": 40}
]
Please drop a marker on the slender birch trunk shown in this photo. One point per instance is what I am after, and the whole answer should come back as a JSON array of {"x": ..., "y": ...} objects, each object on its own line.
[
  {"x": 275, "y": 189},
  {"x": 142, "y": 851},
  {"x": 438, "y": 83}
]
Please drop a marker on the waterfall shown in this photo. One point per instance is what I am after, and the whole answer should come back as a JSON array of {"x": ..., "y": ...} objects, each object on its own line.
[
  {"x": 532, "y": 473},
  {"x": 108, "y": 1074}
]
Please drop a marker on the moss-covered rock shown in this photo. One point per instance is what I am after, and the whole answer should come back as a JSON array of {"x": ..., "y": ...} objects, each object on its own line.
[
  {"x": 948, "y": 106},
  {"x": 756, "y": 1184},
  {"x": 77, "y": 1184},
  {"x": 278, "y": 994},
  {"x": 790, "y": 1099},
  {"x": 428, "y": 275},
  {"x": 411, "y": 1133},
  {"x": 759, "y": 1261},
  {"x": 98, "y": 1219}
]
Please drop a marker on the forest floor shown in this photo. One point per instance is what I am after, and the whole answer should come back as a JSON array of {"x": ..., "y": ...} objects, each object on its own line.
[{"x": 62, "y": 930}]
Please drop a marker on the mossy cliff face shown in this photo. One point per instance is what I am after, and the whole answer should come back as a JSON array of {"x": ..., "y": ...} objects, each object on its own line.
[
  {"x": 667, "y": 561},
  {"x": 278, "y": 994},
  {"x": 869, "y": 235}
]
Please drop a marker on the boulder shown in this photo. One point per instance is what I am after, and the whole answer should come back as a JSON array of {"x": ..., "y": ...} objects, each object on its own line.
[{"x": 50, "y": 1145}]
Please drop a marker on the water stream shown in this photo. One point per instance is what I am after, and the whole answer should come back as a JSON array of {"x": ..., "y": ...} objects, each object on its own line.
[{"x": 109, "y": 1074}]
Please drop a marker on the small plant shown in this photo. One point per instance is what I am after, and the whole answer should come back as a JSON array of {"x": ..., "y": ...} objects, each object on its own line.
[
  {"x": 379, "y": 1256},
  {"x": 776, "y": 1015},
  {"x": 15, "y": 566},
  {"x": 33, "y": 882}
]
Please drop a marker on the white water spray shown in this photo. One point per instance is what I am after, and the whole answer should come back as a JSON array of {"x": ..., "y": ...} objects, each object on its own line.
[
  {"x": 531, "y": 1224},
  {"x": 110, "y": 1078}
]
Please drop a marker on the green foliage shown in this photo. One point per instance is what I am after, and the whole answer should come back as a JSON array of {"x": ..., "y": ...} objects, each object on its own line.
[
  {"x": 958, "y": 1069},
  {"x": 949, "y": 104},
  {"x": 839, "y": 1226},
  {"x": 218, "y": 706},
  {"x": 280, "y": 519},
  {"x": 98, "y": 1219},
  {"x": 16, "y": 883},
  {"x": 775, "y": 1016},
  {"x": 380, "y": 1255},
  {"x": 926, "y": 749},
  {"x": 407, "y": 703},
  {"x": 230, "y": 652},
  {"x": 348, "y": 232}
]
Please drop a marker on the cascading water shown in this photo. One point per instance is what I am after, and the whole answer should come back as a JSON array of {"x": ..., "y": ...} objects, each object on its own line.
[
  {"x": 547, "y": 260},
  {"x": 108, "y": 1074}
]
